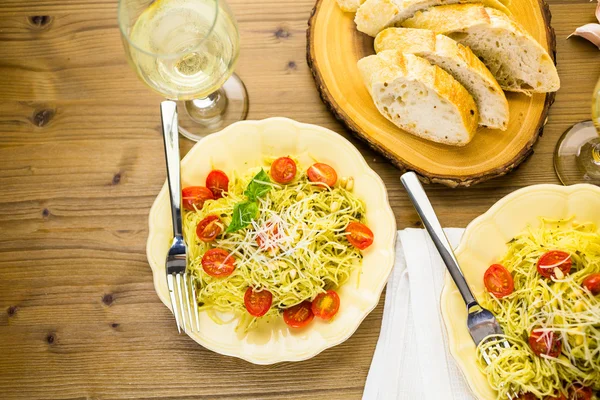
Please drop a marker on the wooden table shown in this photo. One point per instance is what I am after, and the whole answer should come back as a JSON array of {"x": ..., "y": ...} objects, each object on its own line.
[{"x": 81, "y": 160}]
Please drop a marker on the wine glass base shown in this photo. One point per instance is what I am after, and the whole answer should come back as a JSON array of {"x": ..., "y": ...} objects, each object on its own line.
[
  {"x": 205, "y": 116},
  {"x": 577, "y": 155}
]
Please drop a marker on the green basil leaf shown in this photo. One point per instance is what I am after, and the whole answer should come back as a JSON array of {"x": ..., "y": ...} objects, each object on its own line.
[
  {"x": 243, "y": 214},
  {"x": 258, "y": 186}
]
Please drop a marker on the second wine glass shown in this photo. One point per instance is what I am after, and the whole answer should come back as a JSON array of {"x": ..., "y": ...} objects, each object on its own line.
[
  {"x": 187, "y": 50},
  {"x": 577, "y": 153}
]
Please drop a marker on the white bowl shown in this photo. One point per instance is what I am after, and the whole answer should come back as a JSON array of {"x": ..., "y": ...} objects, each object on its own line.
[
  {"x": 484, "y": 242},
  {"x": 244, "y": 145}
]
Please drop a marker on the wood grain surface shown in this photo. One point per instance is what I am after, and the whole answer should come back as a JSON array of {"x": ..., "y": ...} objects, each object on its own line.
[{"x": 81, "y": 161}]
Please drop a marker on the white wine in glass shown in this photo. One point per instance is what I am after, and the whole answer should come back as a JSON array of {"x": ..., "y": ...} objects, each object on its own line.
[
  {"x": 577, "y": 154},
  {"x": 187, "y": 50}
]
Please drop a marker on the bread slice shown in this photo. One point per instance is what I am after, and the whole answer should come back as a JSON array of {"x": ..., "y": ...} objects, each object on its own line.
[
  {"x": 459, "y": 61},
  {"x": 517, "y": 61},
  {"x": 419, "y": 97},
  {"x": 375, "y": 15},
  {"x": 349, "y": 5}
]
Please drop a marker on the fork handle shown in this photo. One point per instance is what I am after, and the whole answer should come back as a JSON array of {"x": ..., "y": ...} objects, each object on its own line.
[
  {"x": 421, "y": 202},
  {"x": 168, "y": 113}
]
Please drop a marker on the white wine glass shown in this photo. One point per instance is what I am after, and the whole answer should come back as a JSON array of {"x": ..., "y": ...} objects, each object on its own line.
[
  {"x": 577, "y": 154},
  {"x": 187, "y": 50}
]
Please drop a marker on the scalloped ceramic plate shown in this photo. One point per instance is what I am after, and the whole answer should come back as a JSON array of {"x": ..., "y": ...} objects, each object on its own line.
[
  {"x": 244, "y": 145},
  {"x": 484, "y": 242}
]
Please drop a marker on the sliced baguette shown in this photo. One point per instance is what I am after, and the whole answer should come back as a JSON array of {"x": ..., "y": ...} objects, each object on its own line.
[
  {"x": 459, "y": 61},
  {"x": 419, "y": 97},
  {"x": 517, "y": 61},
  {"x": 375, "y": 15},
  {"x": 349, "y": 5}
]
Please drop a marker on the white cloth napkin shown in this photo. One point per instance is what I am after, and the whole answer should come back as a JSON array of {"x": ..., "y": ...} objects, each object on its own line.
[{"x": 412, "y": 359}]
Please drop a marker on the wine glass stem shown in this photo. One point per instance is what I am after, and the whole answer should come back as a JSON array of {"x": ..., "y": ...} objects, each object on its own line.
[
  {"x": 596, "y": 153},
  {"x": 208, "y": 110}
]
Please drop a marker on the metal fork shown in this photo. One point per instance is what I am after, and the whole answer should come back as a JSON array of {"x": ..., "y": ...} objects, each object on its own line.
[
  {"x": 179, "y": 281},
  {"x": 481, "y": 323}
]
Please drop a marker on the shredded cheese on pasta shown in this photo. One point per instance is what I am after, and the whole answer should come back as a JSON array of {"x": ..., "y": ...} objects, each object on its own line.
[
  {"x": 561, "y": 306},
  {"x": 308, "y": 255}
]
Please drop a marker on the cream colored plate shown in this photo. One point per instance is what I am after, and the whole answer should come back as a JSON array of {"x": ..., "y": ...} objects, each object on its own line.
[
  {"x": 484, "y": 243},
  {"x": 244, "y": 145}
]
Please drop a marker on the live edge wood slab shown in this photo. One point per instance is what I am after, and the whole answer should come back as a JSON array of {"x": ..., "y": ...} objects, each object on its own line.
[
  {"x": 333, "y": 48},
  {"x": 81, "y": 161}
]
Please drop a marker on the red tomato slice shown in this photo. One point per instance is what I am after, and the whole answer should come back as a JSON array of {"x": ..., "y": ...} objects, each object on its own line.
[
  {"x": 592, "y": 283},
  {"x": 298, "y": 316},
  {"x": 559, "y": 396},
  {"x": 359, "y": 235},
  {"x": 548, "y": 344},
  {"x": 580, "y": 392},
  {"x": 326, "y": 305},
  {"x": 209, "y": 228},
  {"x": 283, "y": 170},
  {"x": 322, "y": 173},
  {"x": 195, "y": 196},
  {"x": 554, "y": 259},
  {"x": 498, "y": 281},
  {"x": 218, "y": 182},
  {"x": 257, "y": 303},
  {"x": 218, "y": 263},
  {"x": 268, "y": 235}
]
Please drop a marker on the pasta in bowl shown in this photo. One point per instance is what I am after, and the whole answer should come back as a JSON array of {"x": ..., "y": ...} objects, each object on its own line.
[
  {"x": 272, "y": 238},
  {"x": 532, "y": 259}
]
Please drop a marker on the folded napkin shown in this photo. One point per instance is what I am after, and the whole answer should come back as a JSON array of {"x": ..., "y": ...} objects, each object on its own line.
[{"x": 412, "y": 359}]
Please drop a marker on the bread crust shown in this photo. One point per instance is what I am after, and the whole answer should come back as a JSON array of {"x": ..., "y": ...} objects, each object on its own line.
[
  {"x": 349, "y": 5},
  {"x": 460, "y": 19},
  {"x": 392, "y": 66},
  {"x": 425, "y": 43},
  {"x": 375, "y": 15}
]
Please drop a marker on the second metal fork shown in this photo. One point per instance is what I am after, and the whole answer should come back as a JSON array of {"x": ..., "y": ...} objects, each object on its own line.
[
  {"x": 481, "y": 323},
  {"x": 182, "y": 290}
]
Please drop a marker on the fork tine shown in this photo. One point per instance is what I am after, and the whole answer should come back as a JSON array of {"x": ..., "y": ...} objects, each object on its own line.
[
  {"x": 486, "y": 357},
  {"x": 187, "y": 301},
  {"x": 180, "y": 295},
  {"x": 195, "y": 300},
  {"x": 173, "y": 303}
]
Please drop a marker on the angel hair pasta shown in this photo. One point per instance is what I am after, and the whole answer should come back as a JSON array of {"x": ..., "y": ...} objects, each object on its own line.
[
  {"x": 287, "y": 245},
  {"x": 552, "y": 316}
]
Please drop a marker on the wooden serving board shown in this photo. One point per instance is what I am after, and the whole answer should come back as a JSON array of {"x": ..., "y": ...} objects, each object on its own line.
[{"x": 333, "y": 48}]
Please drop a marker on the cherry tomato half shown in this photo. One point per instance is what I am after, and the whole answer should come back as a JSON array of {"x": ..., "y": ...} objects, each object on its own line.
[
  {"x": 498, "y": 281},
  {"x": 322, "y": 173},
  {"x": 209, "y": 228},
  {"x": 298, "y": 316},
  {"x": 257, "y": 303},
  {"x": 283, "y": 170},
  {"x": 559, "y": 396},
  {"x": 268, "y": 235},
  {"x": 545, "y": 343},
  {"x": 526, "y": 396},
  {"x": 359, "y": 235},
  {"x": 195, "y": 196},
  {"x": 592, "y": 283},
  {"x": 218, "y": 263},
  {"x": 326, "y": 305},
  {"x": 580, "y": 392},
  {"x": 218, "y": 182},
  {"x": 554, "y": 259}
]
